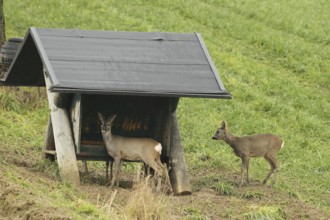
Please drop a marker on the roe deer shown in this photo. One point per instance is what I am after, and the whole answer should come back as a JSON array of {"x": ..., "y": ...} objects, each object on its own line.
[
  {"x": 132, "y": 149},
  {"x": 259, "y": 145}
]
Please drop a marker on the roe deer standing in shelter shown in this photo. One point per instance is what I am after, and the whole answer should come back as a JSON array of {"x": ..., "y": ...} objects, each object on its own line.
[
  {"x": 132, "y": 149},
  {"x": 259, "y": 145}
]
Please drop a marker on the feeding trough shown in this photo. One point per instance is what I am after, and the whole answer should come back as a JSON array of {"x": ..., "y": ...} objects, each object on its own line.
[{"x": 138, "y": 76}]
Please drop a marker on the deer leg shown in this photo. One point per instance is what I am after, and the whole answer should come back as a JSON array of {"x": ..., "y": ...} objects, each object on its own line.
[
  {"x": 244, "y": 165},
  {"x": 146, "y": 168},
  {"x": 165, "y": 174},
  {"x": 272, "y": 167},
  {"x": 158, "y": 172},
  {"x": 276, "y": 169},
  {"x": 111, "y": 169},
  {"x": 107, "y": 171},
  {"x": 159, "y": 183},
  {"x": 115, "y": 179},
  {"x": 119, "y": 169},
  {"x": 115, "y": 174}
]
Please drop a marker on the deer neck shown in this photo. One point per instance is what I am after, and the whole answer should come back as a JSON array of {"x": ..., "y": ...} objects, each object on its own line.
[
  {"x": 231, "y": 140},
  {"x": 108, "y": 137}
]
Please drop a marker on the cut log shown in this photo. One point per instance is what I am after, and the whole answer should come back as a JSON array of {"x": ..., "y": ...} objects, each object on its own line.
[
  {"x": 178, "y": 170},
  {"x": 65, "y": 150}
]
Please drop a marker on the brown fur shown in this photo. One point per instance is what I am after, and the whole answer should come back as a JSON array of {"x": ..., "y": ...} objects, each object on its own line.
[
  {"x": 132, "y": 149},
  {"x": 259, "y": 145}
]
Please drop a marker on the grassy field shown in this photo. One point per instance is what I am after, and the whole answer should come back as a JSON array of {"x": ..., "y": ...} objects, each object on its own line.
[{"x": 273, "y": 57}]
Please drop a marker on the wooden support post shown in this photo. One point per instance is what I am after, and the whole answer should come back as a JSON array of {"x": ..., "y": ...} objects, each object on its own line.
[
  {"x": 48, "y": 151},
  {"x": 178, "y": 170},
  {"x": 65, "y": 151}
]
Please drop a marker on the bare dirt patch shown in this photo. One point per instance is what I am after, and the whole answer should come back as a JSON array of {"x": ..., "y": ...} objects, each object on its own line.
[{"x": 18, "y": 202}]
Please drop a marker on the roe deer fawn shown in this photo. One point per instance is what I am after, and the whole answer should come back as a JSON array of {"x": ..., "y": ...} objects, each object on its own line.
[
  {"x": 259, "y": 145},
  {"x": 132, "y": 149}
]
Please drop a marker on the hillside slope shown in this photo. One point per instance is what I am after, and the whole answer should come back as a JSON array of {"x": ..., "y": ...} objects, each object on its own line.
[{"x": 273, "y": 58}]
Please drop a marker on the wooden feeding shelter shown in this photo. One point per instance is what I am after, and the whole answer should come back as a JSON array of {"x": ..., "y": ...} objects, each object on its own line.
[{"x": 139, "y": 76}]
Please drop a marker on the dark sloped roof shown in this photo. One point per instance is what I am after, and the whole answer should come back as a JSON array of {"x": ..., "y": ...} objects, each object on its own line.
[{"x": 112, "y": 62}]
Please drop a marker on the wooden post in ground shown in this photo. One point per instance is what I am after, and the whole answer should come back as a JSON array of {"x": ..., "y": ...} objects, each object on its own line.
[
  {"x": 48, "y": 151},
  {"x": 178, "y": 169},
  {"x": 65, "y": 151}
]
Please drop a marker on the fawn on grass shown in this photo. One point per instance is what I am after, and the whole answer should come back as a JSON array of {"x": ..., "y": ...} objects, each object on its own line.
[{"x": 259, "y": 145}]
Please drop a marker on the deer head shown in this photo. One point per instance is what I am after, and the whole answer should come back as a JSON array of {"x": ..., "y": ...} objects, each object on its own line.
[
  {"x": 220, "y": 134},
  {"x": 106, "y": 124}
]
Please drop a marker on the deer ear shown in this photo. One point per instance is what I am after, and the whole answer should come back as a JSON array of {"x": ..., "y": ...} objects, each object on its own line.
[
  {"x": 224, "y": 124},
  {"x": 101, "y": 118},
  {"x": 112, "y": 118}
]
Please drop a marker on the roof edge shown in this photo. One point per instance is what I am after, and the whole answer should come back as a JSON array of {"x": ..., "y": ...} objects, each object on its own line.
[
  {"x": 223, "y": 95},
  {"x": 214, "y": 69},
  {"x": 43, "y": 55}
]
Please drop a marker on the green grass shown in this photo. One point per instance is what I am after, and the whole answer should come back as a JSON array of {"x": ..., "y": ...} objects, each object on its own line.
[
  {"x": 266, "y": 212},
  {"x": 273, "y": 57},
  {"x": 224, "y": 188}
]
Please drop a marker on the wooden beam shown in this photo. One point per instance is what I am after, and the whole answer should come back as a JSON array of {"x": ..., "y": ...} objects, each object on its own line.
[
  {"x": 49, "y": 145},
  {"x": 178, "y": 170},
  {"x": 65, "y": 150},
  {"x": 51, "y": 152}
]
